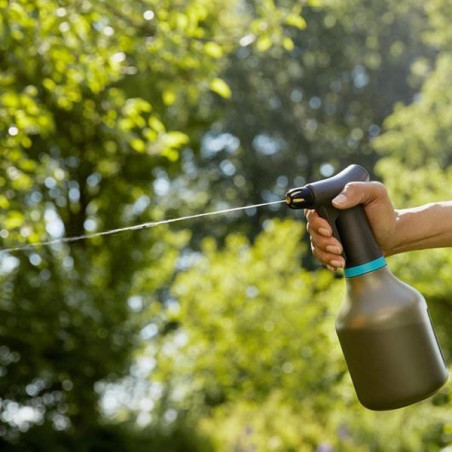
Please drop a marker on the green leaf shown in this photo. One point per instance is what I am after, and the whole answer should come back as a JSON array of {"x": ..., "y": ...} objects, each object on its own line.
[
  {"x": 264, "y": 42},
  {"x": 296, "y": 20},
  {"x": 288, "y": 44},
  {"x": 214, "y": 50},
  {"x": 10, "y": 100},
  {"x": 4, "y": 203},
  {"x": 169, "y": 97},
  {"x": 15, "y": 219},
  {"x": 175, "y": 139},
  {"x": 156, "y": 124},
  {"x": 219, "y": 86},
  {"x": 138, "y": 145}
]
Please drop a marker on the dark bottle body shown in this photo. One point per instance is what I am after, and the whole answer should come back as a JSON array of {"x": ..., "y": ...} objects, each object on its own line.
[{"x": 388, "y": 342}]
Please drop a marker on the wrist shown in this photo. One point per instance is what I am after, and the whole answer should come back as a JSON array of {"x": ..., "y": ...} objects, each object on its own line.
[{"x": 395, "y": 239}]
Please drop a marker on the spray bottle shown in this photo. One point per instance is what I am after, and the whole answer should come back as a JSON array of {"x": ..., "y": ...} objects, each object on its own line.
[{"x": 383, "y": 325}]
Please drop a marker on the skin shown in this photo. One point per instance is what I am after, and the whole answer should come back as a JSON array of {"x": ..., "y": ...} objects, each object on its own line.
[{"x": 396, "y": 231}]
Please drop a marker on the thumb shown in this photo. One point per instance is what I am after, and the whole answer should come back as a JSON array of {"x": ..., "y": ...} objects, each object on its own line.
[{"x": 355, "y": 193}]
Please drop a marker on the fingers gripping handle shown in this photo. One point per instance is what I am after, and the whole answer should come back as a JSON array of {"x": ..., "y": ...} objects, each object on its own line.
[
  {"x": 353, "y": 230},
  {"x": 330, "y": 214},
  {"x": 351, "y": 227}
]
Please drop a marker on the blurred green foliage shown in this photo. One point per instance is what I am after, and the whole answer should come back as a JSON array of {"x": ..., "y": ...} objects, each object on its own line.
[
  {"x": 217, "y": 334},
  {"x": 256, "y": 357}
]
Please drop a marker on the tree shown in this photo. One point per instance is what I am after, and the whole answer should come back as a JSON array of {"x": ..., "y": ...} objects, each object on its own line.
[
  {"x": 80, "y": 153},
  {"x": 97, "y": 99}
]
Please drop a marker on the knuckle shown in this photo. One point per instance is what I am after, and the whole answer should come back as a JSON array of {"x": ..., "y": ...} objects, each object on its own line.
[
  {"x": 379, "y": 188},
  {"x": 309, "y": 213},
  {"x": 315, "y": 252}
]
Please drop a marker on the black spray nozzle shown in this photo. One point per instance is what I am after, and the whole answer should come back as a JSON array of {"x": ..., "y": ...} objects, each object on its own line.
[
  {"x": 299, "y": 198},
  {"x": 322, "y": 192}
]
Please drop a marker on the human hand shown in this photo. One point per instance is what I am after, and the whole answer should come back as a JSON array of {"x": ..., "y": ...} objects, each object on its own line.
[{"x": 379, "y": 211}]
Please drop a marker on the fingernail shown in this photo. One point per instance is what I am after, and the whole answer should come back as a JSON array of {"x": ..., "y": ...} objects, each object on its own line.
[
  {"x": 324, "y": 232},
  {"x": 333, "y": 249},
  {"x": 337, "y": 263},
  {"x": 329, "y": 267},
  {"x": 340, "y": 199}
]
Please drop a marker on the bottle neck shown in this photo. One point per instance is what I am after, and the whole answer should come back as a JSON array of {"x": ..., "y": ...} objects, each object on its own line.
[
  {"x": 367, "y": 267},
  {"x": 361, "y": 251}
]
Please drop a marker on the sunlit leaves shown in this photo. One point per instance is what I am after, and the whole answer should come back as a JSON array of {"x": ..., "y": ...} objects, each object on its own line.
[
  {"x": 249, "y": 328},
  {"x": 273, "y": 425},
  {"x": 213, "y": 49},
  {"x": 296, "y": 20},
  {"x": 220, "y": 87},
  {"x": 420, "y": 132},
  {"x": 22, "y": 115},
  {"x": 270, "y": 26},
  {"x": 84, "y": 51},
  {"x": 81, "y": 139},
  {"x": 439, "y": 14}
]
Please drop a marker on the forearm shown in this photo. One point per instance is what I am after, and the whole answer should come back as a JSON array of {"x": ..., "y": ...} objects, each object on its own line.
[{"x": 428, "y": 226}]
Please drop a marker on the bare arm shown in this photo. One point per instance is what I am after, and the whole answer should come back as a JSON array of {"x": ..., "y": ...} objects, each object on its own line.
[
  {"x": 396, "y": 231},
  {"x": 424, "y": 227}
]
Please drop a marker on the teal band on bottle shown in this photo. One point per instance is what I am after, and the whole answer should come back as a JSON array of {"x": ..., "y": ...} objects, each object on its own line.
[{"x": 365, "y": 268}]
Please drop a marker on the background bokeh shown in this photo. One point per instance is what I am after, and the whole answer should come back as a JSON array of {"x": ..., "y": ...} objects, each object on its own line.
[{"x": 214, "y": 334}]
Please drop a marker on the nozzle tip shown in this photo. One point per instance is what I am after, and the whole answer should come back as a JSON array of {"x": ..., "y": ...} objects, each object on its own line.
[{"x": 299, "y": 198}]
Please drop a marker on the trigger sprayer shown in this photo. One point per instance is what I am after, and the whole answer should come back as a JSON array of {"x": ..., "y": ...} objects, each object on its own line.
[{"x": 383, "y": 325}]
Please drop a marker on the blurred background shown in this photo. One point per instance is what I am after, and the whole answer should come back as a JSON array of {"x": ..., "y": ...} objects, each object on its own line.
[{"x": 215, "y": 334}]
